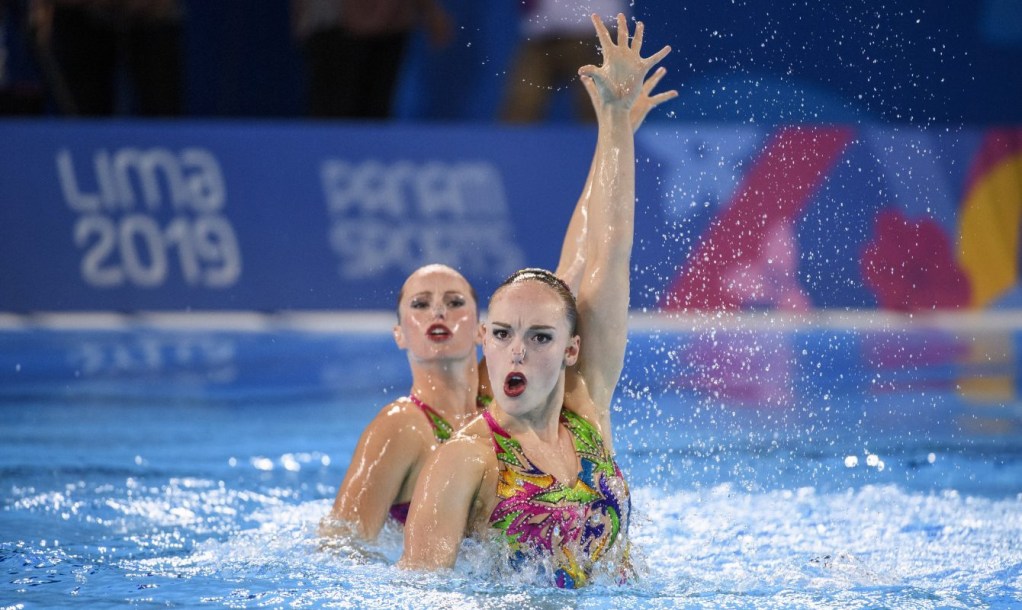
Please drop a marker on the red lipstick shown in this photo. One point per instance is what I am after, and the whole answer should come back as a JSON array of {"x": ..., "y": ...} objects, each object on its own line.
[
  {"x": 438, "y": 333},
  {"x": 514, "y": 384}
]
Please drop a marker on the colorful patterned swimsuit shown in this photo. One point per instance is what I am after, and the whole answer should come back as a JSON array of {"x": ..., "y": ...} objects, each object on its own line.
[
  {"x": 538, "y": 515},
  {"x": 442, "y": 431}
]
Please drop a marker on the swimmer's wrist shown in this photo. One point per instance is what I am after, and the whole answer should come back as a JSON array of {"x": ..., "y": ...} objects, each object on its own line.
[{"x": 616, "y": 113}]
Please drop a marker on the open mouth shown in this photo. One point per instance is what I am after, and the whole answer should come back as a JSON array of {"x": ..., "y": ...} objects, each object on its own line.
[
  {"x": 514, "y": 384},
  {"x": 439, "y": 333}
]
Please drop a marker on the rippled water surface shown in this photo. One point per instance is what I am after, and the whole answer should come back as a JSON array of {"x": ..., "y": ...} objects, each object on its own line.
[{"x": 814, "y": 468}]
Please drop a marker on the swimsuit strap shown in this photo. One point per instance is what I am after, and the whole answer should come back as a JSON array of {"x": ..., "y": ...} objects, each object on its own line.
[
  {"x": 496, "y": 429},
  {"x": 585, "y": 439},
  {"x": 442, "y": 430}
]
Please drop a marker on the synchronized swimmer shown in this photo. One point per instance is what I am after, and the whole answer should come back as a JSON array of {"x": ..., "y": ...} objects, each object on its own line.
[{"x": 533, "y": 465}]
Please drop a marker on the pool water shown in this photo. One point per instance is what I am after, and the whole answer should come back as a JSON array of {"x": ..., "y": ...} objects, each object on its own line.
[{"x": 796, "y": 466}]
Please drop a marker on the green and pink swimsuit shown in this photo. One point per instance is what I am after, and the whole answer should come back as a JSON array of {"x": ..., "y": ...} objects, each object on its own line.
[{"x": 540, "y": 516}]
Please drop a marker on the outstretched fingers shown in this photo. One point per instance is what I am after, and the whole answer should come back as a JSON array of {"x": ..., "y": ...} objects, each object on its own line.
[
  {"x": 655, "y": 58},
  {"x": 647, "y": 101},
  {"x": 637, "y": 36},
  {"x": 601, "y": 31},
  {"x": 590, "y": 85},
  {"x": 621, "y": 77},
  {"x": 588, "y": 70},
  {"x": 660, "y": 98},
  {"x": 652, "y": 81},
  {"x": 593, "y": 78}
]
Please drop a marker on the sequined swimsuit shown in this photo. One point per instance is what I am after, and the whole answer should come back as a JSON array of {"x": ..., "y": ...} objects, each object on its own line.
[
  {"x": 540, "y": 516},
  {"x": 442, "y": 430}
]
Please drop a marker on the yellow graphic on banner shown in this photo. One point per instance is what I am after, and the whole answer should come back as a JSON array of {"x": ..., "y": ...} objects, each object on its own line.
[{"x": 989, "y": 231}]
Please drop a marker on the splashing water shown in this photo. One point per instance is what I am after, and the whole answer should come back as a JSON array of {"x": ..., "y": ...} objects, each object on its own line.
[{"x": 838, "y": 485}]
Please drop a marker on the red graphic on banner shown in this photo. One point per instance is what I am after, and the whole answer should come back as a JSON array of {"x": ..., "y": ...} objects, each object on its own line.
[
  {"x": 749, "y": 255},
  {"x": 911, "y": 266},
  {"x": 998, "y": 146}
]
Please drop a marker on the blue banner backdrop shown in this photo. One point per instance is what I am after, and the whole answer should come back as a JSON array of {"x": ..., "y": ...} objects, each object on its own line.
[
  {"x": 169, "y": 216},
  {"x": 127, "y": 216}
]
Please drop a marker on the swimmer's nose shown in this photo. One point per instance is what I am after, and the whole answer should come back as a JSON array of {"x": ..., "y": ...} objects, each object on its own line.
[
  {"x": 518, "y": 355},
  {"x": 439, "y": 311}
]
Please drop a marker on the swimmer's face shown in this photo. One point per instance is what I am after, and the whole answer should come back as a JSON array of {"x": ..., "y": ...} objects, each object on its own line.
[
  {"x": 437, "y": 315},
  {"x": 528, "y": 343}
]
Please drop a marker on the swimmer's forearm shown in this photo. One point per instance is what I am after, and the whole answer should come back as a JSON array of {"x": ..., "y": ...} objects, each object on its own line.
[
  {"x": 571, "y": 266},
  {"x": 444, "y": 493},
  {"x": 573, "y": 251},
  {"x": 615, "y": 175}
]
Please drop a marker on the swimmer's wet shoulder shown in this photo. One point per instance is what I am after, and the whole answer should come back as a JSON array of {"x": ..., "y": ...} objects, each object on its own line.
[
  {"x": 442, "y": 431},
  {"x": 383, "y": 468}
]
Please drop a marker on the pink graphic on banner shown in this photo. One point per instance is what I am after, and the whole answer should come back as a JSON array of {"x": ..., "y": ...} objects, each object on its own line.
[
  {"x": 910, "y": 265},
  {"x": 771, "y": 280},
  {"x": 749, "y": 255}
]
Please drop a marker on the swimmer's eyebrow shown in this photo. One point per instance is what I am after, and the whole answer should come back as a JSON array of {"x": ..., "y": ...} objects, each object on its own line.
[
  {"x": 430, "y": 293},
  {"x": 535, "y": 327}
]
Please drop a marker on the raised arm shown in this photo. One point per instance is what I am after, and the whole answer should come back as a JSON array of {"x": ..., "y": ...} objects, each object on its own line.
[
  {"x": 616, "y": 86},
  {"x": 573, "y": 250}
]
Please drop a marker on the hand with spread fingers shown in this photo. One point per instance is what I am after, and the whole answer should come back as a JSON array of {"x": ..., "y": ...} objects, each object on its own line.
[{"x": 619, "y": 81}]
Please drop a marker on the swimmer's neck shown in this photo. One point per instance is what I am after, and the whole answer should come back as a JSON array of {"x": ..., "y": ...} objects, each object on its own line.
[
  {"x": 450, "y": 388},
  {"x": 543, "y": 421}
]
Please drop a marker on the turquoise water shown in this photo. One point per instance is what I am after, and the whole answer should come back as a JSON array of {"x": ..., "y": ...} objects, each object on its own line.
[{"x": 797, "y": 468}]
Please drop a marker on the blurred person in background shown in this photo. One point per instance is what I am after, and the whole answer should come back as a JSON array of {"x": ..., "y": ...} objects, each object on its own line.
[
  {"x": 91, "y": 51},
  {"x": 556, "y": 38},
  {"x": 354, "y": 50},
  {"x": 21, "y": 91}
]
